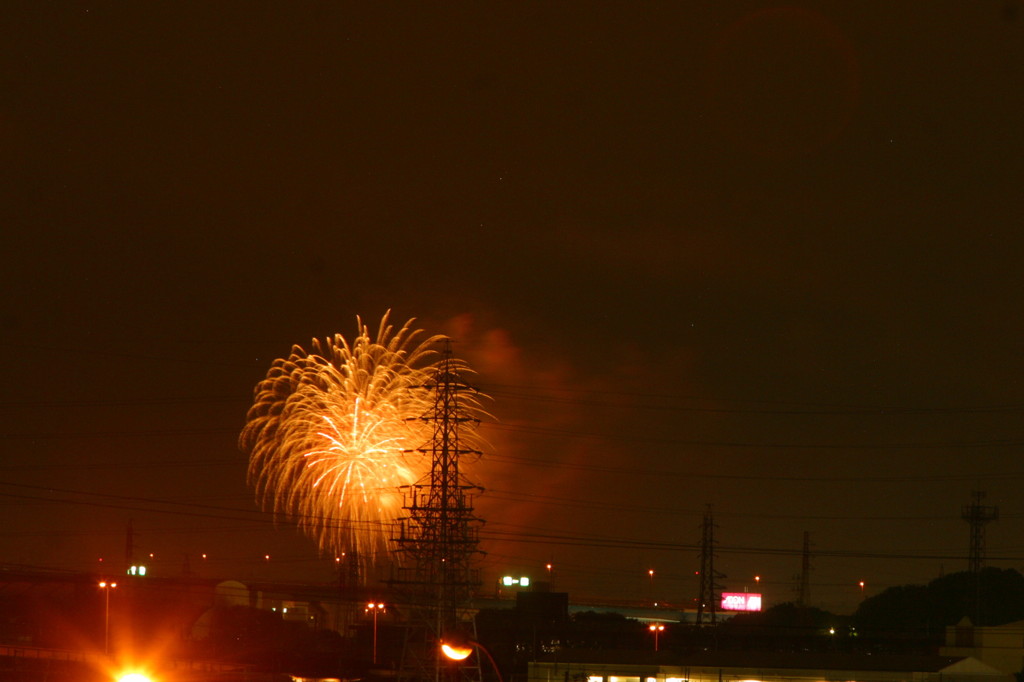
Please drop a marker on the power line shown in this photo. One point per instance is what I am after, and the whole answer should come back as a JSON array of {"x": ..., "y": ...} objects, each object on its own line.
[
  {"x": 574, "y": 540},
  {"x": 676, "y": 511},
  {"x": 612, "y": 437},
  {"x": 127, "y": 402},
  {"x": 544, "y": 394},
  {"x": 752, "y": 477}
]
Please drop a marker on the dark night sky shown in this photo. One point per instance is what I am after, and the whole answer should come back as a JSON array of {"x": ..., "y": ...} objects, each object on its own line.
[{"x": 760, "y": 257}]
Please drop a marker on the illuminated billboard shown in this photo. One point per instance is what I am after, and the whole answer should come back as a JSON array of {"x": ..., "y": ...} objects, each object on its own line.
[{"x": 741, "y": 601}]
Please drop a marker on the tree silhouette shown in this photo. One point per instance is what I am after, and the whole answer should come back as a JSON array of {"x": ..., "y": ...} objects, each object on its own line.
[{"x": 916, "y": 610}]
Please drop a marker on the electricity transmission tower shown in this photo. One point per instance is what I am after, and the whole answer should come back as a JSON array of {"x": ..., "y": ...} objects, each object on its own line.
[
  {"x": 977, "y": 515},
  {"x": 707, "y": 601},
  {"x": 438, "y": 537}
]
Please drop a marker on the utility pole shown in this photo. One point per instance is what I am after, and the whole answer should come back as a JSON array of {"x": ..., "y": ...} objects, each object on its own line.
[
  {"x": 804, "y": 598},
  {"x": 129, "y": 545},
  {"x": 438, "y": 537}
]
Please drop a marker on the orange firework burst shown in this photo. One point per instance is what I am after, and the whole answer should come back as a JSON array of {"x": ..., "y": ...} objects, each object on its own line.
[{"x": 329, "y": 430}]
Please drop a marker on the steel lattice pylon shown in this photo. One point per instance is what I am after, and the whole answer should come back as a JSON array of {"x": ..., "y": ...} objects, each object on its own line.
[
  {"x": 977, "y": 515},
  {"x": 438, "y": 538},
  {"x": 707, "y": 601}
]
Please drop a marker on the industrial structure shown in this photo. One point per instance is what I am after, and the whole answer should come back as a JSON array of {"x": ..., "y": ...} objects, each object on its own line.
[
  {"x": 439, "y": 535},
  {"x": 707, "y": 600},
  {"x": 977, "y": 515}
]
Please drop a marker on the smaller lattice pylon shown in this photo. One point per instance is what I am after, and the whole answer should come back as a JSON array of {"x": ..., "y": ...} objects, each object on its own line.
[
  {"x": 977, "y": 515},
  {"x": 707, "y": 600}
]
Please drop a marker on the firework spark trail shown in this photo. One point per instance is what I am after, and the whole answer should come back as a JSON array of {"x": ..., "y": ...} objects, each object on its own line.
[{"x": 328, "y": 432}]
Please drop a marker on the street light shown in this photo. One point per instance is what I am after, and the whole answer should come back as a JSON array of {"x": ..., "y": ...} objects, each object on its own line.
[
  {"x": 106, "y": 587},
  {"x": 375, "y": 608},
  {"x": 657, "y": 629},
  {"x": 457, "y": 648}
]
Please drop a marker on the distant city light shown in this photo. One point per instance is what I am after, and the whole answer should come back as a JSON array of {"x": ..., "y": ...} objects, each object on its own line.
[{"x": 509, "y": 581}]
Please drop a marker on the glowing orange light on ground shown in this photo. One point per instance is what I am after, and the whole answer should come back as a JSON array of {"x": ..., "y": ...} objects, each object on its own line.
[
  {"x": 135, "y": 677},
  {"x": 456, "y": 652}
]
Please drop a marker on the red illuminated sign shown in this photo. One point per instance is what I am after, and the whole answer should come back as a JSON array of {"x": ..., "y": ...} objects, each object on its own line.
[{"x": 741, "y": 601}]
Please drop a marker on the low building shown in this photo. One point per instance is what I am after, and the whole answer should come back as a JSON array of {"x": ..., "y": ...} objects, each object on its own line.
[
  {"x": 1000, "y": 646},
  {"x": 745, "y": 666}
]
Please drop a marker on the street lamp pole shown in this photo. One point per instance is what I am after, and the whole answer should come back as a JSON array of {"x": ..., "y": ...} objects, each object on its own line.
[
  {"x": 106, "y": 587},
  {"x": 375, "y": 608},
  {"x": 657, "y": 629}
]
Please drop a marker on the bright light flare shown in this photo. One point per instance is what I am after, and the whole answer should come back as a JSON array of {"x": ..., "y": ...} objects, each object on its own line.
[
  {"x": 456, "y": 652},
  {"x": 135, "y": 677}
]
